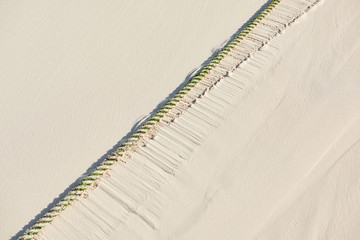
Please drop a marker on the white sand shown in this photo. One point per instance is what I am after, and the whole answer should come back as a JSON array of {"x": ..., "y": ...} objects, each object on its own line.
[
  {"x": 76, "y": 77},
  {"x": 282, "y": 165}
]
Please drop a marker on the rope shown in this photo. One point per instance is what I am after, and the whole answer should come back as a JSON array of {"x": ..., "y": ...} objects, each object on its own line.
[{"x": 267, "y": 24}]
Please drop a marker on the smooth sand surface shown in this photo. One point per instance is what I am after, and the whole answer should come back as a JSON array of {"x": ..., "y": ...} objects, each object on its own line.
[
  {"x": 76, "y": 77},
  {"x": 281, "y": 162}
]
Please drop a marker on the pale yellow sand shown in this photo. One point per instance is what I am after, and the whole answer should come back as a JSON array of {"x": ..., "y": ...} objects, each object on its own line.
[
  {"x": 75, "y": 76},
  {"x": 282, "y": 165}
]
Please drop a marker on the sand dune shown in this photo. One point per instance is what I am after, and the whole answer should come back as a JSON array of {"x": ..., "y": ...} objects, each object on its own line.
[
  {"x": 271, "y": 152},
  {"x": 74, "y": 81}
]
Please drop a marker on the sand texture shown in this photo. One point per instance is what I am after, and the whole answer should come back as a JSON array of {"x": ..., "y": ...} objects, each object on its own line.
[
  {"x": 77, "y": 76},
  {"x": 270, "y": 152}
]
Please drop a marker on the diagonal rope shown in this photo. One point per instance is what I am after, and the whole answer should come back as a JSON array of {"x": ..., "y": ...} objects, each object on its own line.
[{"x": 275, "y": 17}]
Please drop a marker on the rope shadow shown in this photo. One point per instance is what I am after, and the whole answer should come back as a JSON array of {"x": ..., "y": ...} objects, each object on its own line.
[{"x": 137, "y": 125}]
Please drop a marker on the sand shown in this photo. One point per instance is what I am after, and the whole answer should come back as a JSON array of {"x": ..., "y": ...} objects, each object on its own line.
[
  {"x": 282, "y": 163},
  {"x": 77, "y": 76}
]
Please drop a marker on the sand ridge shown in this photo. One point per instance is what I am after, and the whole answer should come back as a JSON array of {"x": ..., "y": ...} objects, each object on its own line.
[{"x": 278, "y": 155}]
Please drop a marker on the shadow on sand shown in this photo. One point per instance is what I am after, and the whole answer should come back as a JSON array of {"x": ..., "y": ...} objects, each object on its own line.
[{"x": 136, "y": 126}]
